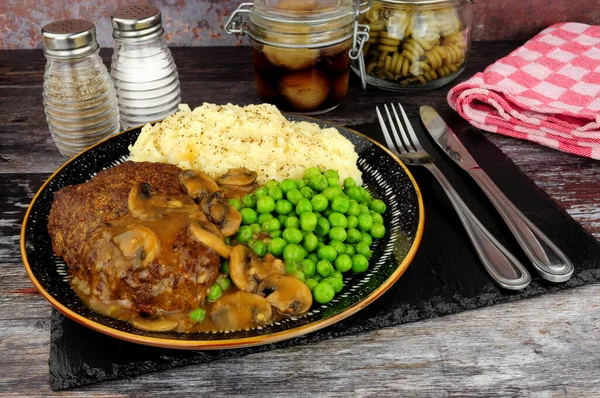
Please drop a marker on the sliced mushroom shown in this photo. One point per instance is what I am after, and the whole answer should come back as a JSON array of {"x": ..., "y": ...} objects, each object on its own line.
[
  {"x": 197, "y": 183},
  {"x": 239, "y": 177},
  {"x": 138, "y": 245},
  {"x": 287, "y": 294},
  {"x": 222, "y": 214},
  {"x": 206, "y": 235},
  {"x": 146, "y": 204},
  {"x": 235, "y": 192},
  {"x": 240, "y": 310},
  {"x": 154, "y": 324},
  {"x": 247, "y": 270}
]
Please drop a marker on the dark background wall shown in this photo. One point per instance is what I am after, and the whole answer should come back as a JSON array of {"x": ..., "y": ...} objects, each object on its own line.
[{"x": 200, "y": 22}]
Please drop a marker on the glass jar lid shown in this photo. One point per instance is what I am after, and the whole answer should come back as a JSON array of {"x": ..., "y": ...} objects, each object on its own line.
[
  {"x": 69, "y": 38},
  {"x": 302, "y": 23}
]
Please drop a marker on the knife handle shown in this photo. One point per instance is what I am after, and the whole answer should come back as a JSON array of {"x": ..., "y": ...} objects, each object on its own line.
[
  {"x": 502, "y": 266},
  {"x": 549, "y": 261}
]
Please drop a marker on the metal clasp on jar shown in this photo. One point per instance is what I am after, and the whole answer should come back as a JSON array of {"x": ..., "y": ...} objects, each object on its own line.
[{"x": 236, "y": 23}]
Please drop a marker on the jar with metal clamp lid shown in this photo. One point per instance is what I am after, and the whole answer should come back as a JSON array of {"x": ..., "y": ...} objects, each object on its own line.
[
  {"x": 416, "y": 45},
  {"x": 301, "y": 50},
  {"x": 79, "y": 96},
  {"x": 143, "y": 68}
]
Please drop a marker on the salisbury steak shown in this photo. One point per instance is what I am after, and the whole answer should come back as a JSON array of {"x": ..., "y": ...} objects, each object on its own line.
[{"x": 144, "y": 261}]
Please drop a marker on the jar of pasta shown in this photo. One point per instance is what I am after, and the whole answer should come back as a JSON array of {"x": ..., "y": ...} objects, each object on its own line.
[
  {"x": 301, "y": 50},
  {"x": 416, "y": 44}
]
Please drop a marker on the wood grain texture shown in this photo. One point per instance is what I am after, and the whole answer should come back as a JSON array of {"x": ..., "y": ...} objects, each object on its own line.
[{"x": 547, "y": 346}]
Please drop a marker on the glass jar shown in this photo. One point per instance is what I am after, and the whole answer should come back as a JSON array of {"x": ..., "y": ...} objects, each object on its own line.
[
  {"x": 416, "y": 44},
  {"x": 301, "y": 50},
  {"x": 142, "y": 68},
  {"x": 79, "y": 97}
]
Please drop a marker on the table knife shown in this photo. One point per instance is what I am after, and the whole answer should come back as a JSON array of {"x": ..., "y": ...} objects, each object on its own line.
[{"x": 548, "y": 260}]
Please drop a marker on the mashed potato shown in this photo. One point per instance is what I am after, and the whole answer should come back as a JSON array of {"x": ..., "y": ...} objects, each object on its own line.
[{"x": 214, "y": 138}]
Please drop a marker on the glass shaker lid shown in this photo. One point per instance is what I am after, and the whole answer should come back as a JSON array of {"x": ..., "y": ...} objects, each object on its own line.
[
  {"x": 136, "y": 21},
  {"x": 69, "y": 38}
]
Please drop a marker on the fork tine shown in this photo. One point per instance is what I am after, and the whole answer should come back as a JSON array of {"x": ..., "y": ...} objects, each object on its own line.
[
  {"x": 386, "y": 133},
  {"x": 405, "y": 142},
  {"x": 415, "y": 141}
]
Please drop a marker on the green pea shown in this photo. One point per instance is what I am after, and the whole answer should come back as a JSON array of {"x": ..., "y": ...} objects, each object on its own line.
[
  {"x": 377, "y": 231},
  {"x": 354, "y": 235},
  {"x": 313, "y": 256},
  {"x": 265, "y": 204},
  {"x": 282, "y": 218},
  {"x": 271, "y": 225},
  {"x": 290, "y": 267},
  {"x": 332, "y": 192},
  {"x": 352, "y": 221},
  {"x": 214, "y": 292},
  {"x": 366, "y": 237},
  {"x": 276, "y": 193},
  {"x": 331, "y": 173},
  {"x": 292, "y": 235},
  {"x": 337, "y": 245},
  {"x": 276, "y": 234},
  {"x": 300, "y": 183},
  {"x": 320, "y": 245},
  {"x": 287, "y": 185},
  {"x": 224, "y": 282},
  {"x": 323, "y": 293},
  {"x": 354, "y": 193},
  {"x": 293, "y": 195},
  {"x": 349, "y": 182},
  {"x": 318, "y": 182},
  {"x": 255, "y": 228},
  {"x": 227, "y": 240},
  {"x": 338, "y": 220},
  {"x": 236, "y": 203},
  {"x": 307, "y": 192},
  {"x": 366, "y": 196},
  {"x": 260, "y": 192},
  {"x": 319, "y": 202},
  {"x": 271, "y": 184},
  {"x": 338, "y": 233},
  {"x": 327, "y": 212},
  {"x": 311, "y": 283},
  {"x": 309, "y": 267},
  {"x": 308, "y": 221},
  {"x": 317, "y": 277},
  {"x": 312, "y": 171},
  {"x": 198, "y": 315},
  {"x": 359, "y": 263},
  {"x": 284, "y": 207},
  {"x": 378, "y": 206},
  {"x": 244, "y": 234},
  {"x": 377, "y": 218},
  {"x": 293, "y": 253},
  {"x": 340, "y": 204},
  {"x": 365, "y": 222},
  {"x": 350, "y": 250},
  {"x": 333, "y": 181},
  {"x": 249, "y": 200},
  {"x": 224, "y": 268},
  {"x": 276, "y": 246},
  {"x": 336, "y": 283},
  {"x": 292, "y": 222},
  {"x": 299, "y": 274},
  {"x": 353, "y": 209},
  {"x": 259, "y": 247},
  {"x": 310, "y": 241},
  {"x": 327, "y": 253},
  {"x": 363, "y": 208},
  {"x": 324, "y": 268},
  {"x": 264, "y": 217},
  {"x": 248, "y": 216},
  {"x": 322, "y": 227},
  {"x": 303, "y": 205},
  {"x": 363, "y": 248}
]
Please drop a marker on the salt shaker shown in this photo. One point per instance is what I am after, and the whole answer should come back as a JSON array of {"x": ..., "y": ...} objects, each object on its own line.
[
  {"x": 79, "y": 97},
  {"x": 142, "y": 68}
]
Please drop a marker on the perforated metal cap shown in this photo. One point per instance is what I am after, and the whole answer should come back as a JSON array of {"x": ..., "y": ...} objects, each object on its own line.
[
  {"x": 69, "y": 38},
  {"x": 132, "y": 22}
]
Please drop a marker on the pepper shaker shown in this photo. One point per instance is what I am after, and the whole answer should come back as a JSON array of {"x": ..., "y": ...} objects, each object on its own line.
[
  {"x": 79, "y": 97},
  {"x": 142, "y": 68}
]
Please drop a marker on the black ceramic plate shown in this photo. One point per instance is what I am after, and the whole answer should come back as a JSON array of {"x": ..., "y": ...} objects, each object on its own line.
[{"x": 384, "y": 176}]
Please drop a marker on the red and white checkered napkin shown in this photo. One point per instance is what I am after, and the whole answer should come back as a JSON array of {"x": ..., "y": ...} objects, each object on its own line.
[{"x": 547, "y": 91}]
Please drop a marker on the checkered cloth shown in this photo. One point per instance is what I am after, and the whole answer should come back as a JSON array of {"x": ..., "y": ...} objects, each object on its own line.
[{"x": 547, "y": 91}]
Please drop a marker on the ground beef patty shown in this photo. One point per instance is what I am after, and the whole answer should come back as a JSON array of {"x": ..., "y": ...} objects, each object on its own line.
[{"x": 88, "y": 224}]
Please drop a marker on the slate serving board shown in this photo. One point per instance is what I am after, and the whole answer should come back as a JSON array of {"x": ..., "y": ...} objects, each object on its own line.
[{"x": 445, "y": 277}]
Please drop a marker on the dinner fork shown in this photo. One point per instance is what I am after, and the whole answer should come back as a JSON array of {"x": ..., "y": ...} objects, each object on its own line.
[{"x": 502, "y": 266}]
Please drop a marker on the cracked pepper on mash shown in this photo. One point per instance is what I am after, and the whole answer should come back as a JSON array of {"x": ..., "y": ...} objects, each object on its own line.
[{"x": 214, "y": 138}]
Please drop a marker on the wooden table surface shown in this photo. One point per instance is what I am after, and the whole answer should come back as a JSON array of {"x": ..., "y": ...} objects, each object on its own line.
[{"x": 547, "y": 346}]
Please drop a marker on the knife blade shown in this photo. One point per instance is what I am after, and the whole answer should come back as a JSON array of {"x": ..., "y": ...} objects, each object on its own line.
[{"x": 548, "y": 260}]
